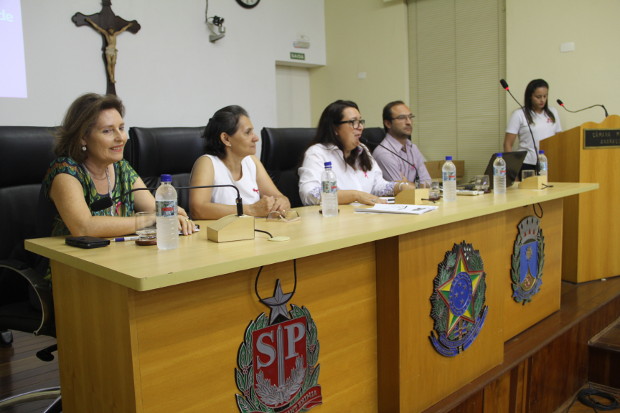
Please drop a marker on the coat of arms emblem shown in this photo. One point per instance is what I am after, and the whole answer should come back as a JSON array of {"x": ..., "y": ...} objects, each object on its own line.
[
  {"x": 277, "y": 361},
  {"x": 458, "y": 300},
  {"x": 528, "y": 260}
]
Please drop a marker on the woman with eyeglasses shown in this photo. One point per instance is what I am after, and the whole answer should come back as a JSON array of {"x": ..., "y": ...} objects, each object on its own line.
[
  {"x": 231, "y": 160},
  {"x": 337, "y": 141}
]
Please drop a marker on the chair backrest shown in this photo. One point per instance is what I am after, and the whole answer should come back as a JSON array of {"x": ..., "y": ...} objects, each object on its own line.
[
  {"x": 282, "y": 151},
  {"x": 373, "y": 137},
  {"x": 27, "y": 152},
  {"x": 156, "y": 151}
]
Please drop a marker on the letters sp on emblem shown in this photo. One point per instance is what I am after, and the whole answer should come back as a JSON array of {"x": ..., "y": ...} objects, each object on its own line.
[{"x": 277, "y": 365}]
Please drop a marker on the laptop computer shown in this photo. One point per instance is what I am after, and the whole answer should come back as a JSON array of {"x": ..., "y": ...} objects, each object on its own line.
[{"x": 514, "y": 161}]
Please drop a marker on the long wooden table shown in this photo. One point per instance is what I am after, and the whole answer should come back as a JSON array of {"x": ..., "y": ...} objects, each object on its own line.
[{"x": 143, "y": 330}]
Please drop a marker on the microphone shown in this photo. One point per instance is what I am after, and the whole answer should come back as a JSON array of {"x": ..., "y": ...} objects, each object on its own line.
[
  {"x": 575, "y": 111},
  {"x": 238, "y": 200},
  {"x": 365, "y": 141},
  {"x": 505, "y": 86},
  {"x": 107, "y": 201}
]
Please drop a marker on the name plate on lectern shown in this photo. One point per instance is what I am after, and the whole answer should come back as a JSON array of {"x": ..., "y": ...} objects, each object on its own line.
[{"x": 601, "y": 138}]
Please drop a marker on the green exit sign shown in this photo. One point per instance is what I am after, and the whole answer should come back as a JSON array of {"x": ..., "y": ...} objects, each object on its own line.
[{"x": 298, "y": 56}]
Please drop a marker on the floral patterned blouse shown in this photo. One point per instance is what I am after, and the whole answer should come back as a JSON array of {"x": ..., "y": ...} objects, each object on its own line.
[{"x": 125, "y": 179}]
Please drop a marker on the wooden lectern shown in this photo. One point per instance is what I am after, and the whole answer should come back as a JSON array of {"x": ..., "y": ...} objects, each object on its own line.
[{"x": 591, "y": 239}]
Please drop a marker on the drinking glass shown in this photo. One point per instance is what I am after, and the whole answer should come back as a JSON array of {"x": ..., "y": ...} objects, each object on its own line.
[
  {"x": 146, "y": 227},
  {"x": 434, "y": 192}
]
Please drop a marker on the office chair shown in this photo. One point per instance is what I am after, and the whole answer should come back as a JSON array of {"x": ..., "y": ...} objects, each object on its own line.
[
  {"x": 25, "y": 296},
  {"x": 372, "y": 137},
  {"x": 282, "y": 151},
  {"x": 155, "y": 151}
]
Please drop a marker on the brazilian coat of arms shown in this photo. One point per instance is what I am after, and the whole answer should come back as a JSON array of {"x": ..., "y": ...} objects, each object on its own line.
[
  {"x": 277, "y": 361},
  {"x": 528, "y": 260},
  {"x": 458, "y": 300}
]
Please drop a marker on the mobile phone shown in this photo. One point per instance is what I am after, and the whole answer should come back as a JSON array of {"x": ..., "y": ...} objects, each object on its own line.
[{"x": 87, "y": 242}]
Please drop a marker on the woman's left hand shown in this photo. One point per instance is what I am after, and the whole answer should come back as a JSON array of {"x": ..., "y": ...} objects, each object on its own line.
[
  {"x": 402, "y": 185},
  {"x": 186, "y": 225},
  {"x": 281, "y": 204},
  {"x": 368, "y": 199}
]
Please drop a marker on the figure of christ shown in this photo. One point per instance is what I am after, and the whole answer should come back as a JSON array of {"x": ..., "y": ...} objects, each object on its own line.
[{"x": 110, "y": 51}]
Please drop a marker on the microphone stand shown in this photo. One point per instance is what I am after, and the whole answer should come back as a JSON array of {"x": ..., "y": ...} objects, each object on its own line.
[
  {"x": 507, "y": 88},
  {"x": 228, "y": 228},
  {"x": 575, "y": 111},
  {"x": 417, "y": 175},
  {"x": 238, "y": 200},
  {"x": 107, "y": 201}
]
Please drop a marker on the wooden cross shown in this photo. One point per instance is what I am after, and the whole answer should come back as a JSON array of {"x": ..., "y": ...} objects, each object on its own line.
[{"x": 109, "y": 26}]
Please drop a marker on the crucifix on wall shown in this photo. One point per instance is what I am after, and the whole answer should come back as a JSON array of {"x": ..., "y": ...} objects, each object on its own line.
[{"x": 109, "y": 26}]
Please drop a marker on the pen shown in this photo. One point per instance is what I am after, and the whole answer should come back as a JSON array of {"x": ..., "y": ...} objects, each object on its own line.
[{"x": 122, "y": 239}]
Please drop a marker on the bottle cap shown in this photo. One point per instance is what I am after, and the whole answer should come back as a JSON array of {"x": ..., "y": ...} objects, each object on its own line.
[
  {"x": 541, "y": 152},
  {"x": 448, "y": 158},
  {"x": 499, "y": 154},
  {"x": 166, "y": 178},
  {"x": 328, "y": 164}
]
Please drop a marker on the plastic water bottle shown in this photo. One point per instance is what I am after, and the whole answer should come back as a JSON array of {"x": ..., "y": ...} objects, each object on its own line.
[
  {"x": 329, "y": 192},
  {"x": 448, "y": 174},
  {"x": 543, "y": 164},
  {"x": 166, "y": 213},
  {"x": 499, "y": 175}
]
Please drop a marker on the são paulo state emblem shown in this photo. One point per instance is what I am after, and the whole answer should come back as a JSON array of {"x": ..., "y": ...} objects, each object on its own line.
[
  {"x": 458, "y": 300},
  {"x": 528, "y": 260},
  {"x": 277, "y": 362}
]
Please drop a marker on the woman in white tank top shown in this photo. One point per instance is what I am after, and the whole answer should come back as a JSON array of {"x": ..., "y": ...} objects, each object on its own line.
[{"x": 230, "y": 160}]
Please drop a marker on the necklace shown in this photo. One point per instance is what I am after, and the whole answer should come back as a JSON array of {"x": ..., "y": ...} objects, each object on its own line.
[
  {"x": 109, "y": 191},
  {"x": 107, "y": 177}
]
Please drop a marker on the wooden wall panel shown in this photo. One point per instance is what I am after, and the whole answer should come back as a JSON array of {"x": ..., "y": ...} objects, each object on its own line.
[
  {"x": 593, "y": 227},
  {"x": 517, "y": 316},
  {"x": 518, "y": 387},
  {"x": 94, "y": 327},
  {"x": 211, "y": 317},
  {"x": 548, "y": 363},
  {"x": 425, "y": 376},
  {"x": 193, "y": 331},
  {"x": 497, "y": 395},
  {"x": 388, "y": 311},
  {"x": 604, "y": 353}
]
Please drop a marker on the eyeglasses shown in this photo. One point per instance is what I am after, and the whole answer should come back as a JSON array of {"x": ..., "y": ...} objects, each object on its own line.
[
  {"x": 404, "y": 117},
  {"x": 355, "y": 123},
  {"x": 286, "y": 216}
]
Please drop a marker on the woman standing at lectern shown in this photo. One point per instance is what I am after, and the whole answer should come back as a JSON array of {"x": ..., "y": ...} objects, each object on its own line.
[{"x": 542, "y": 120}]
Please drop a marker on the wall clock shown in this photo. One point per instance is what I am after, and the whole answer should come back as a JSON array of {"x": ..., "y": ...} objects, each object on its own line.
[{"x": 248, "y": 4}]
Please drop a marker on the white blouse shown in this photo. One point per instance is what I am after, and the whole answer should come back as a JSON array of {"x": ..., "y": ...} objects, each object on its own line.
[
  {"x": 248, "y": 188},
  {"x": 543, "y": 127},
  {"x": 347, "y": 178}
]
